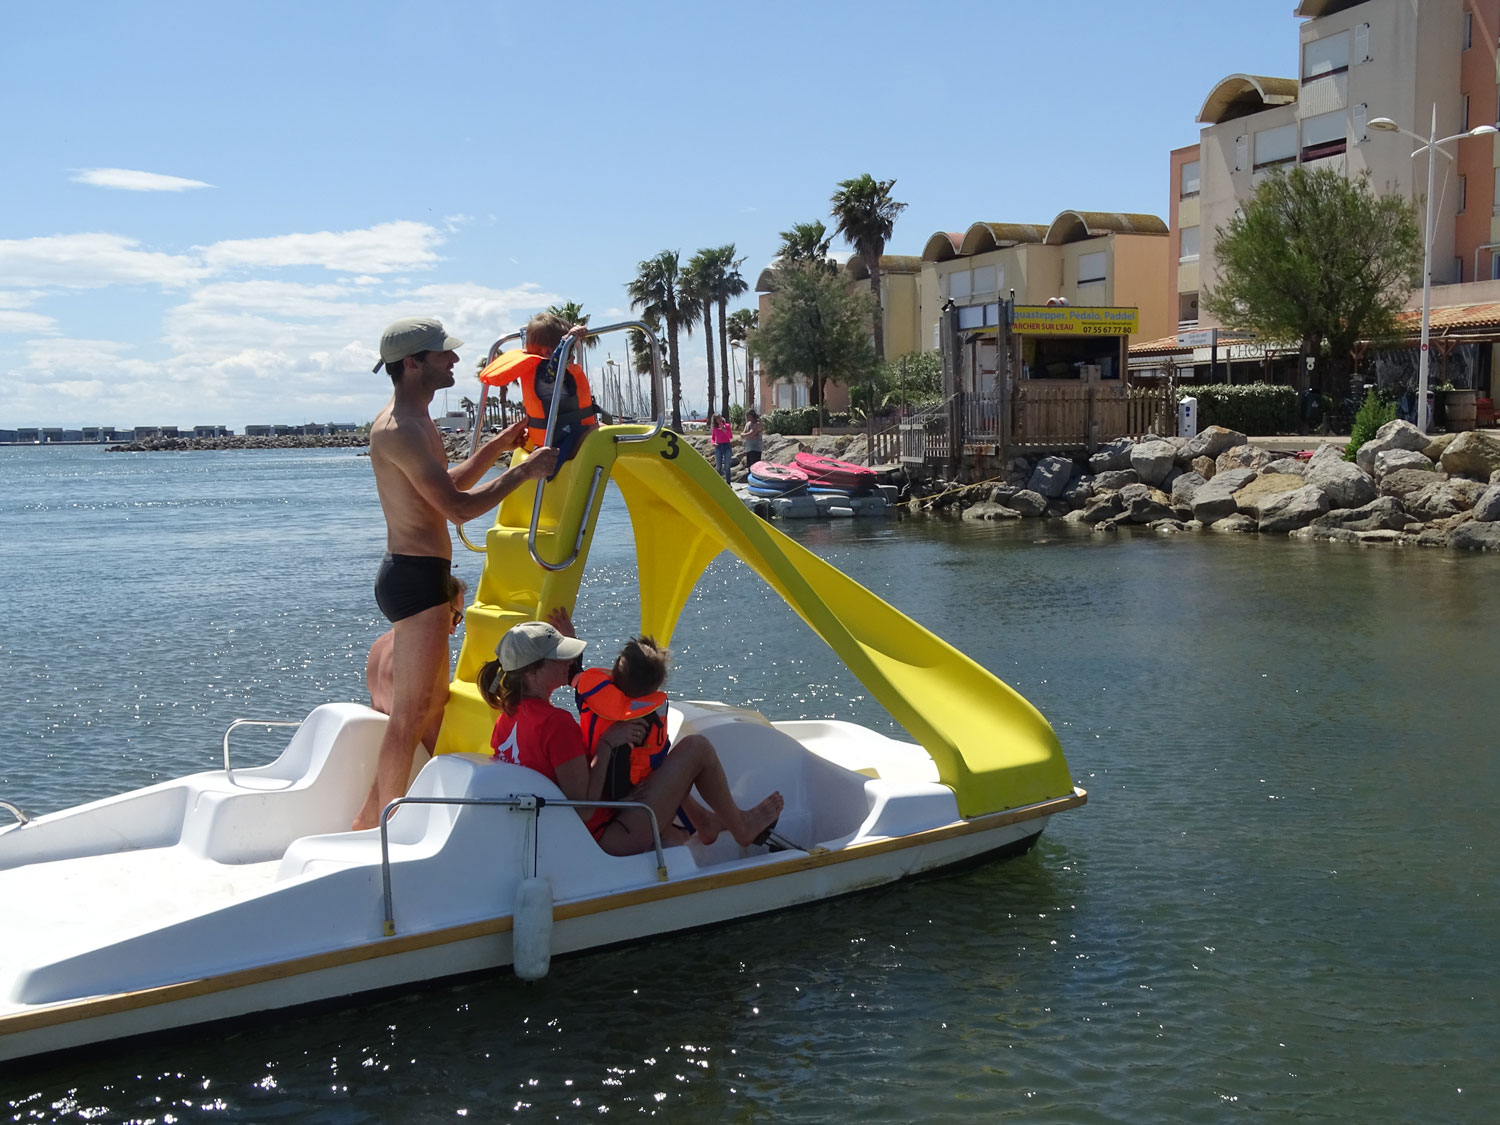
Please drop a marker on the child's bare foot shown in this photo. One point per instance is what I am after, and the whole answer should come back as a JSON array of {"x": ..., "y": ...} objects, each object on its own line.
[
  {"x": 708, "y": 824},
  {"x": 758, "y": 821}
]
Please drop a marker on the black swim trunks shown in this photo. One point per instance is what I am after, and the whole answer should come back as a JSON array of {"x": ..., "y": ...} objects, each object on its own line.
[{"x": 408, "y": 584}]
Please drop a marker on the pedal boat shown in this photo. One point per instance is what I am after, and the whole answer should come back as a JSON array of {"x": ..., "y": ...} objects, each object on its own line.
[{"x": 239, "y": 891}]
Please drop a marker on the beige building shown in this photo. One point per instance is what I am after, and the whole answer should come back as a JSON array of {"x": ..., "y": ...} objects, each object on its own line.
[{"x": 1397, "y": 59}]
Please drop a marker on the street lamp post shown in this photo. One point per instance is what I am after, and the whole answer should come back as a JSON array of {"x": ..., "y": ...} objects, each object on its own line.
[{"x": 1429, "y": 144}]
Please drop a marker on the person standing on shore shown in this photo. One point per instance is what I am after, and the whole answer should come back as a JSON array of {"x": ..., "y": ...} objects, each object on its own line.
[
  {"x": 752, "y": 435},
  {"x": 419, "y": 494},
  {"x": 722, "y": 437}
]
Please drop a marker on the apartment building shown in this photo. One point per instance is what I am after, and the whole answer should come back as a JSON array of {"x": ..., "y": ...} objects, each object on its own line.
[{"x": 1405, "y": 60}]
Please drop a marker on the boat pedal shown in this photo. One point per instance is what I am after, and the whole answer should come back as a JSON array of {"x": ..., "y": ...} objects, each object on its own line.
[{"x": 776, "y": 842}]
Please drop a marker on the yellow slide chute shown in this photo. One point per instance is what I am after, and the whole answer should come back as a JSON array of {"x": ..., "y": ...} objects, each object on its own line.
[{"x": 992, "y": 747}]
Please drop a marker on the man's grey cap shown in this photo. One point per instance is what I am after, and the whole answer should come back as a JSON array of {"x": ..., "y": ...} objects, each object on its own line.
[{"x": 412, "y": 335}]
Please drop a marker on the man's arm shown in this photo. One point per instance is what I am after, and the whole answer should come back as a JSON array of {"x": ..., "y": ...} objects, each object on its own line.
[
  {"x": 467, "y": 473},
  {"x": 410, "y": 453}
]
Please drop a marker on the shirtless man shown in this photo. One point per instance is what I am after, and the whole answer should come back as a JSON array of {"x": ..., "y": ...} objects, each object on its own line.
[{"x": 420, "y": 494}]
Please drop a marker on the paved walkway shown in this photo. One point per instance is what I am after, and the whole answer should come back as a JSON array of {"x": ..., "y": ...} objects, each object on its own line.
[{"x": 1294, "y": 444}]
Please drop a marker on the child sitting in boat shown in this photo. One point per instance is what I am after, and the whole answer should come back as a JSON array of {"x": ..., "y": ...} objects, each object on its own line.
[{"x": 532, "y": 661}]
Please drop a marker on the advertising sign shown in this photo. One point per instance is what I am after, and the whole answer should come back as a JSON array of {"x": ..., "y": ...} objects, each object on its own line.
[{"x": 1083, "y": 320}]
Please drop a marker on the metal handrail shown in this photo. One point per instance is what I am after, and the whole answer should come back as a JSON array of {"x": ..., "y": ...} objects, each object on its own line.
[
  {"x": 228, "y": 773},
  {"x": 525, "y": 802},
  {"x": 22, "y": 816},
  {"x": 563, "y": 354}
]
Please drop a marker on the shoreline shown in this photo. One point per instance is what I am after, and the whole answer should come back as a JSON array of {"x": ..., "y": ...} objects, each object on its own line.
[{"x": 240, "y": 441}]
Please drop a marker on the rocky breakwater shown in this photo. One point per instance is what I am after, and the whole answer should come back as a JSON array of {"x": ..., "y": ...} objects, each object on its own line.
[
  {"x": 1403, "y": 488},
  {"x": 241, "y": 441}
]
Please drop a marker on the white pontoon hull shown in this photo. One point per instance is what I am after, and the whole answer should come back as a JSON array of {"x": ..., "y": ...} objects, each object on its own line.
[{"x": 273, "y": 909}]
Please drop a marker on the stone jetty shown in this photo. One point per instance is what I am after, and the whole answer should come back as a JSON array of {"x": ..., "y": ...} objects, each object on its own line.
[{"x": 1403, "y": 488}]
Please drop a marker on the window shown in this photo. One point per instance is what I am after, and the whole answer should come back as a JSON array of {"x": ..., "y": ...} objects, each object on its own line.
[
  {"x": 1091, "y": 267},
  {"x": 1468, "y": 30},
  {"x": 959, "y": 284},
  {"x": 1275, "y": 146},
  {"x": 1189, "y": 179},
  {"x": 1497, "y": 195},
  {"x": 1241, "y": 152},
  {"x": 1458, "y": 271},
  {"x": 1324, "y": 135},
  {"x": 1494, "y": 266},
  {"x": 1361, "y": 43},
  {"x": 1361, "y": 122},
  {"x": 1189, "y": 251},
  {"x": 1322, "y": 57},
  {"x": 1463, "y": 114},
  {"x": 984, "y": 279},
  {"x": 1463, "y": 193}
]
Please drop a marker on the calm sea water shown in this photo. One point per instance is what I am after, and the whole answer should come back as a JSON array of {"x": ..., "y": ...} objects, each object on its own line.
[{"x": 1280, "y": 902}]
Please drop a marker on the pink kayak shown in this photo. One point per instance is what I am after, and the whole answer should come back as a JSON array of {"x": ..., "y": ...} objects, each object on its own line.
[
  {"x": 771, "y": 471},
  {"x": 818, "y": 468}
]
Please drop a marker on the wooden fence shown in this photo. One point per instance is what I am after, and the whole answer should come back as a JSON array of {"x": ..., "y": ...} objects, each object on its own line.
[{"x": 1063, "y": 414}]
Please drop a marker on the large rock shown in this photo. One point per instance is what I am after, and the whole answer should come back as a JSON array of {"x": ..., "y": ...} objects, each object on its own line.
[
  {"x": 1078, "y": 492},
  {"x": 1144, "y": 504},
  {"x": 1294, "y": 509},
  {"x": 1184, "y": 488},
  {"x": 1384, "y": 513},
  {"x": 1205, "y": 467},
  {"x": 1393, "y": 435},
  {"x": 1103, "y": 506},
  {"x": 1345, "y": 483},
  {"x": 1435, "y": 448},
  {"x": 1473, "y": 454},
  {"x": 1115, "y": 455},
  {"x": 1153, "y": 460},
  {"x": 984, "y": 510},
  {"x": 1388, "y": 461},
  {"x": 1050, "y": 477},
  {"x": 1403, "y": 482},
  {"x": 1263, "y": 490},
  {"x": 1239, "y": 522},
  {"x": 1028, "y": 503},
  {"x": 1210, "y": 443},
  {"x": 1327, "y": 451},
  {"x": 1244, "y": 457},
  {"x": 1475, "y": 536},
  {"x": 1214, "y": 500},
  {"x": 1487, "y": 507},
  {"x": 1443, "y": 499},
  {"x": 1112, "y": 479},
  {"x": 1288, "y": 466}
]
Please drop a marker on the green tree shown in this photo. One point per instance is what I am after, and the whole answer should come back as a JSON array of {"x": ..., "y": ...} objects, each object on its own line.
[
  {"x": 816, "y": 328},
  {"x": 728, "y": 283},
  {"x": 656, "y": 290},
  {"x": 866, "y": 216},
  {"x": 698, "y": 285},
  {"x": 805, "y": 242},
  {"x": 742, "y": 323},
  {"x": 1316, "y": 259}
]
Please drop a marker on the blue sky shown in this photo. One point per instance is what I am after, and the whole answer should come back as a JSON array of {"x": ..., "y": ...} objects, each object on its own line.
[{"x": 210, "y": 210}]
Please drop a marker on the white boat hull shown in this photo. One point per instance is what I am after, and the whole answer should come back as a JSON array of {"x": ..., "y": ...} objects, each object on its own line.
[{"x": 271, "y": 912}]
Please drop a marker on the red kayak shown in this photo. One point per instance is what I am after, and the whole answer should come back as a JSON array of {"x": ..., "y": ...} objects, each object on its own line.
[
  {"x": 771, "y": 471},
  {"x": 816, "y": 466}
]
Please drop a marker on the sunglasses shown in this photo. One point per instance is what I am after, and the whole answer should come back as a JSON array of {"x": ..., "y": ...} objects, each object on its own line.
[{"x": 458, "y": 618}]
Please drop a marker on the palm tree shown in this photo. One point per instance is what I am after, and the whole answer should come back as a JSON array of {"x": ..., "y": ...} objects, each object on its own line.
[
  {"x": 698, "y": 285},
  {"x": 866, "y": 215},
  {"x": 656, "y": 290},
  {"x": 727, "y": 283},
  {"x": 742, "y": 323},
  {"x": 805, "y": 242},
  {"x": 468, "y": 404}
]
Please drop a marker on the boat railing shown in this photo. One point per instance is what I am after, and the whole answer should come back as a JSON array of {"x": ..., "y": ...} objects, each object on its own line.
[
  {"x": 22, "y": 816},
  {"x": 228, "y": 773},
  {"x": 521, "y": 802}
]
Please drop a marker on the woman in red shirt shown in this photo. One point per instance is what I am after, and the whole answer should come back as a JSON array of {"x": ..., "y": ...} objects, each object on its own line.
[{"x": 533, "y": 660}]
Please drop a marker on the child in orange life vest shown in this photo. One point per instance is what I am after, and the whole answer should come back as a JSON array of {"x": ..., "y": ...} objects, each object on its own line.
[
  {"x": 654, "y": 769},
  {"x": 535, "y": 366}
]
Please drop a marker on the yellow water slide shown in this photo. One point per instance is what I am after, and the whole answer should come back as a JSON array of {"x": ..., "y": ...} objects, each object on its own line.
[{"x": 990, "y": 745}]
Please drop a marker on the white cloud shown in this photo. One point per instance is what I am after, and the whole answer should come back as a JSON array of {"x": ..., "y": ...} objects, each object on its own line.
[
  {"x": 454, "y": 222},
  {"x": 89, "y": 261},
  {"x": 384, "y": 248},
  {"x": 17, "y": 323},
  {"x": 124, "y": 179}
]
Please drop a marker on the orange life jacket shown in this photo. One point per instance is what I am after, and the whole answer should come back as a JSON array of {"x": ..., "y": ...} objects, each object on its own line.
[
  {"x": 600, "y": 703},
  {"x": 576, "y": 409}
]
